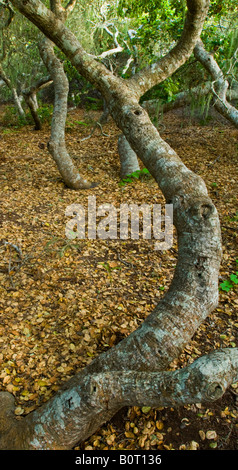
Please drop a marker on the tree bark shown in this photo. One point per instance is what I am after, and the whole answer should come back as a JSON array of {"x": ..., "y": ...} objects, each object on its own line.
[
  {"x": 56, "y": 145},
  {"x": 98, "y": 391},
  {"x": 76, "y": 412},
  {"x": 220, "y": 84},
  {"x": 128, "y": 158},
  {"x": 31, "y": 98},
  {"x": 16, "y": 98}
]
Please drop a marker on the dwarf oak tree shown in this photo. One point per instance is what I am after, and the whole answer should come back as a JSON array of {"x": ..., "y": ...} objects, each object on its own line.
[{"x": 135, "y": 371}]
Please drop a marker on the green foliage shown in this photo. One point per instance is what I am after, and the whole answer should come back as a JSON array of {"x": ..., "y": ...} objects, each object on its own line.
[
  {"x": 45, "y": 112},
  {"x": 20, "y": 56},
  {"x": 165, "y": 92},
  {"x": 200, "y": 106},
  {"x": 109, "y": 268},
  {"x": 9, "y": 116},
  {"x": 59, "y": 246},
  {"x": 93, "y": 103},
  {"x": 139, "y": 174},
  {"x": 235, "y": 218},
  {"x": 229, "y": 284},
  {"x": 12, "y": 119},
  {"x": 158, "y": 23},
  {"x": 155, "y": 12}
]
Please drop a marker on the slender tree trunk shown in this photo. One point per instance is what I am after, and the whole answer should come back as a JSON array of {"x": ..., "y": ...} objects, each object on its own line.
[
  {"x": 31, "y": 103},
  {"x": 128, "y": 158},
  {"x": 31, "y": 98},
  {"x": 57, "y": 146}
]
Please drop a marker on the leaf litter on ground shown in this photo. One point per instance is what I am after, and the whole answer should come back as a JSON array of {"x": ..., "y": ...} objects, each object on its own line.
[{"x": 63, "y": 301}]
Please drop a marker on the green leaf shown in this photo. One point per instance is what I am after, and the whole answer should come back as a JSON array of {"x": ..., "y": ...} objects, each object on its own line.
[
  {"x": 81, "y": 123},
  {"x": 234, "y": 278},
  {"x": 226, "y": 286},
  {"x": 135, "y": 174}
]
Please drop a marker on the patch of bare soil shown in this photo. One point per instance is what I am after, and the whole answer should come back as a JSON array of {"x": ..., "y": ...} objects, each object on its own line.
[{"x": 62, "y": 302}]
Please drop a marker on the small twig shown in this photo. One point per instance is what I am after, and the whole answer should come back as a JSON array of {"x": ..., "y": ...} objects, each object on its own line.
[
  {"x": 229, "y": 228},
  {"x": 15, "y": 248},
  {"x": 10, "y": 260},
  {"x": 214, "y": 161},
  {"x": 99, "y": 123},
  {"x": 93, "y": 130},
  {"x": 130, "y": 265}
]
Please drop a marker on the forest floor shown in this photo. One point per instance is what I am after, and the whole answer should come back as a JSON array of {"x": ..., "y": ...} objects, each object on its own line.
[{"x": 62, "y": 301}]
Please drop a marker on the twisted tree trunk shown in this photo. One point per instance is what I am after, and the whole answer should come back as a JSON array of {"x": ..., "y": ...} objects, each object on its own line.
[
  {"x": 56, "y": 145},
  {"x": 88, "y": 400},
  {"x": 134, "y": 371}
]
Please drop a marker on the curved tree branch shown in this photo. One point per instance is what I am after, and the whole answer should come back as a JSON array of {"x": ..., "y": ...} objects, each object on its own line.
[
  {"x": 219, "y": 86},
  {"x": 31, "y": 99},
  {"x": 101, "y": 393},
  {"x": 165, "y": 67},
  {"x": 56, "y": 145}
]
